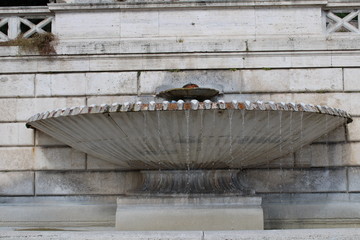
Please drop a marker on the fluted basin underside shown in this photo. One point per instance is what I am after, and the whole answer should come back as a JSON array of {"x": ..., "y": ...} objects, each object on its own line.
[{"x": 193, "y": 135}]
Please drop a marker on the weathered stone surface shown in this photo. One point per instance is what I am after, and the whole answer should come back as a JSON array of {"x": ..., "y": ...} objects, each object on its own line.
[
  {"x": 85, "y": 234},
  {"x": 326, "y": 155},
  {"x": 354, "y": 179},
  {"x": 68, "y": 183},
  {"x": 16, "y": 134},
  {"x": 60, "y": 84},
  {"x": 58, "y": 159},
  {"x": 57, "y": 212},
  {"x": 294, "y": 180},
  {"x": 178, "y": 44},
  {"x": 66, "y": 23},
  {"x": 283, "y": 211},
  {"x": 337, "y": 135},
  {"x": 189, "y": 214},
  {"x": 319, "y": 234},
  {"x": 16, "y": 183},
  {"x": 351, "y": 82},
  {"x": 354, "y": 130},
  {"x": 26, "y": 158},
  {"x": 16, "y": 158},
  {"x": 19, "y": 109},
  {"x": 284, "y": 162},
  {"x": 143, "y": 62},
  {"x": 17, "y": 85},
  {"x": 94, "y": 163},
  {"x": 224, "y": 81},
  {"x": 86, "y": 84},
  {"x": 291, "y": 80},
  {"x": 42, "y": 139}
]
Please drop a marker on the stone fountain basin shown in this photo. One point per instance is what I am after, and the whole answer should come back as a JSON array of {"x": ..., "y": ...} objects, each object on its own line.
[{"x": 191, "y": 135}]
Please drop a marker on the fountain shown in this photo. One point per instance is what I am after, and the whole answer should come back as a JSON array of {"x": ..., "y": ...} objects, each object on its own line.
[{"x": 190, "y": 153}]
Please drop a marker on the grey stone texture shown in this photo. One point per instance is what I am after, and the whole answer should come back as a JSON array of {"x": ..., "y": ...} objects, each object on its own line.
[
  {"x": 30, "y": 158},
  {"x": 263, "y": 50},
  {"x": 295, "y": 180},
  {"x": 82, "y": 234},
  {"x": 16, "y": 183},
  {"x": 70, "y": 183}
]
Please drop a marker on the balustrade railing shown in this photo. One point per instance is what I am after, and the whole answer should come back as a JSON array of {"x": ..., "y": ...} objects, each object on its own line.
[
  {"x": 346, "y": 20},
  {"x": 25, "y": 22}
]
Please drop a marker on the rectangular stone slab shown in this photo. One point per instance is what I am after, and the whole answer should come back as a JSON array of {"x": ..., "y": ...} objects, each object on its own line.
[{"x": 189, "y": 214}]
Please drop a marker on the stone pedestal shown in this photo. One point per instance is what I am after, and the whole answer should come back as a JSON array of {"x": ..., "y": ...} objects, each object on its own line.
[{"x": 189, "y": 213}]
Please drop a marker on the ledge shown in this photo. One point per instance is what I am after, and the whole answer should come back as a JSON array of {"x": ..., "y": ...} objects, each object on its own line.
[
  {"x": 24, "y": 10},
  {"x": 133, "y": 5}
]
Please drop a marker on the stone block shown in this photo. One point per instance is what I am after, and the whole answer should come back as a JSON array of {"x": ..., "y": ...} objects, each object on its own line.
[
  {"x": 325, "y": 155},
  {"x": 20, "y": 109},
  {"x": 292, "y": 80},
  {"x": 16, "y": 158},
  {"x": 286, "y": 21},
  {"x": 44, "y": 140},
  {"x": 351, "y": 81},
  {"x": 16, "y": 134},
  {"x": 71, "y": 84},
  {"x": 354, "y": 179},
  {"x": 189, "y": 213},
  {"x": 222, "y": 80},
  {"x": 16, "y": 183},
  {"x": 58, "y": 212},
  {"x": 26, "y": 158},
  {"x": 354, "y": 130},
  {"x": 295, "y": 180},
  {"x": 139, "y": 24},
  {"x": 60, "y": 84},
  {"x": 207, "y": 22},
  {"x": 68, "y": 25},
  {"x": 17, "y": 85},
  {"x": 59, "y": 159},
  {"x": 111, "y": 83},
  {"x": 69, "y": 183},
  {"x": 353, "y": 154}
]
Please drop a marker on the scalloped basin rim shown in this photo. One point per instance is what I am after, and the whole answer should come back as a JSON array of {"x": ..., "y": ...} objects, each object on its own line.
[
  {"x": 189, "y": 135},
  {"x": 193, "y": 105}
]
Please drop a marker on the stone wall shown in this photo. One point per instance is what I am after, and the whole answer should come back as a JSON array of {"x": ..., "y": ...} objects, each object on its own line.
[{"x": 119, "y": 52}]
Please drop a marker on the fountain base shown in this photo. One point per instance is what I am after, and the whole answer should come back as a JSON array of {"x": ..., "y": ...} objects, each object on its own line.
[{"x": 178, "y": 213}]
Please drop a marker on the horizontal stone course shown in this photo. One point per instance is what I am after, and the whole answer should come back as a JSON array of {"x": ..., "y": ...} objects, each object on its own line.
[
  {"x": 29, "y": 158},
  {"x": 16, "y": 183},
  {"x": 295, "y": 180},
  {"x": 70, "y": 183},
  {"x": 192, "y": 61}
]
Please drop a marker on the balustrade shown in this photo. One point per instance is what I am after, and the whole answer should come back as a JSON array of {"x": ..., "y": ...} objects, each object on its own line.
[{"x": 25, "y": 23}]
